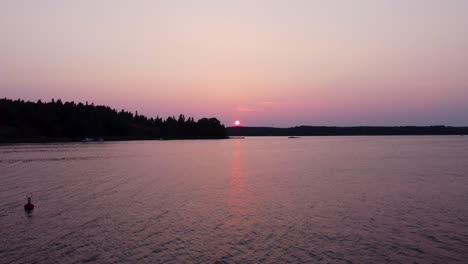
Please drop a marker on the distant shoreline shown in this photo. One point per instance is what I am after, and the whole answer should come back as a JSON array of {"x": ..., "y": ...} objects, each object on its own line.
[
  {"x": 55, "y": 140},
  {"x": 69, "y": 140},
  {"x": 74, "y": 140},
  {"x": 348, "y": 131}
]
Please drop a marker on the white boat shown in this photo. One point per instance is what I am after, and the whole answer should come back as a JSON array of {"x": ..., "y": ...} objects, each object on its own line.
[{"x": 87, "y": 139}]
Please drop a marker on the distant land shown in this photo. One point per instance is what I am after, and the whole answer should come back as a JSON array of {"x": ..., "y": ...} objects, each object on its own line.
[
  {"x": 22, "y": 121},
  {"x": 347, "y": 131}
]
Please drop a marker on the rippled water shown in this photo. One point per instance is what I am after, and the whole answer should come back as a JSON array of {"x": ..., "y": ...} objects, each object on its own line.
[{"x": 271, "y": 200}]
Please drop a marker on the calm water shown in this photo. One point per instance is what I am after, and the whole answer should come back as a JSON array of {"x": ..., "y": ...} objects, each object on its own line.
[{"x": 271, "y": 200}]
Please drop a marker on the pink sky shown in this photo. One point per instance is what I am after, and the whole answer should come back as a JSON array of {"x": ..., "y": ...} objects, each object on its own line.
[{"x": 266, "y": 63}]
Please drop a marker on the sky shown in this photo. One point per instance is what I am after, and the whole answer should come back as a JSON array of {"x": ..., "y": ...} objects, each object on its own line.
[{"x": 265, "y": 62}]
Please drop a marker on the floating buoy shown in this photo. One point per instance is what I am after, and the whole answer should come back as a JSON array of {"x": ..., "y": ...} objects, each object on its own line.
[{"x": 29, "y": 206}]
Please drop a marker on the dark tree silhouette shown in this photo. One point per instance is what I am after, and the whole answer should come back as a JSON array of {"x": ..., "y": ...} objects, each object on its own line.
[
  {"x": 55, "y": 120},
  {"x": 346, "y": 131}
]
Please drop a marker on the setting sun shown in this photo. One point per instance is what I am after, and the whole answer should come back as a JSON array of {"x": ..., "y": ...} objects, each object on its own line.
[{"x": 237, "y": 123}]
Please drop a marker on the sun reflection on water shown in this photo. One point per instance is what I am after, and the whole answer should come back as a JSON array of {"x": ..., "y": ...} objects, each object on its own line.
[{"x": 240, "y": 197}]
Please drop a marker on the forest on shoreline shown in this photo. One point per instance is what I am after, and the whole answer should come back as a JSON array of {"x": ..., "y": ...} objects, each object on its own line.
[{"x": 24, "y": 121}]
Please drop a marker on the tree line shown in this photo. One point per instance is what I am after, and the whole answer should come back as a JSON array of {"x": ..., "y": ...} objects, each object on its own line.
[
  {"x": 347, "y": 131},
  {"x": 40, "y": 121}
]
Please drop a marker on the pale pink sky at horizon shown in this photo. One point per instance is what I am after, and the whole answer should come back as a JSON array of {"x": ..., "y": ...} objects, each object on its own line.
[{"x": 265, "y": 63}]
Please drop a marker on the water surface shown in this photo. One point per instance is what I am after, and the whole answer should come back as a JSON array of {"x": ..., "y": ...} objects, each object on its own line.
[{"x": 254, "y": 200}]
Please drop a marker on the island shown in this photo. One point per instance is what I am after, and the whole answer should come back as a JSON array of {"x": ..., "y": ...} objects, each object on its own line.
[{"x": 346, "y": 131}]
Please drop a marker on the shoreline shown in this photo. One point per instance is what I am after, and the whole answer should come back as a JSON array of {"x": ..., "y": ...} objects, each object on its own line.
[
  {"x": 74, "y": 140},
  {"x": 69, "y": 140},
  {"x": 348, "y": 131}
]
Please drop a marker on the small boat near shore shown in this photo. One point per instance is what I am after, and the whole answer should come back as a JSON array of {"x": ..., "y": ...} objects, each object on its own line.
[
  {"x": 88, "y": 140},
  {"x": 292, "y": 137}
]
